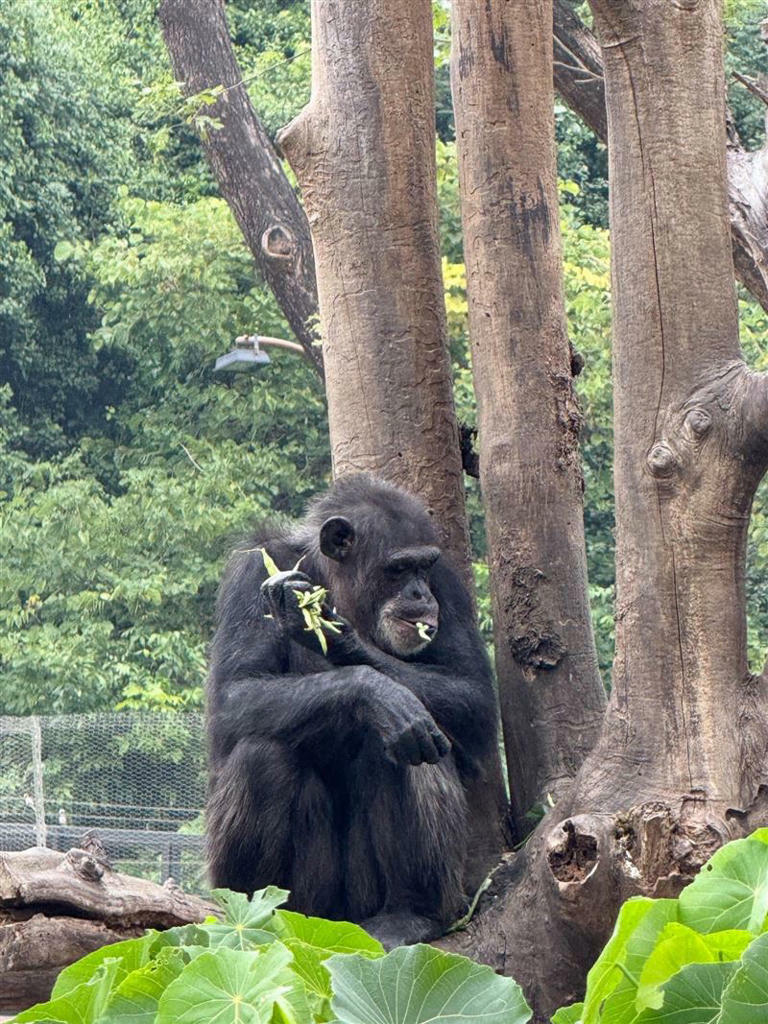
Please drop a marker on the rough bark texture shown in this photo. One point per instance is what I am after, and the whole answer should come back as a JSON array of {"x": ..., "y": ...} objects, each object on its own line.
[
  {"x": 552, "y": 698},
  {"x": 578, "y": 69},
  {"x": 363, "y": 152},
  {"x": 245, "y": 163},
  {"x": 680, "y": 766},
  {"x": 579, "y": 80},
  {"x": 56, "y": 907}
]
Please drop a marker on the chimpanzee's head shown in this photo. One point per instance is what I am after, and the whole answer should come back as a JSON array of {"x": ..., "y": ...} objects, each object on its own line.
[{"x": 380, "y": 546}]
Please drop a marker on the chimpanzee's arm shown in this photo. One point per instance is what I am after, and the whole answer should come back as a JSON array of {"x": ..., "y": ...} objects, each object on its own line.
[
  {"x": 463, "y": 703},
  {"x": 452, "y": 677},
  {"x": 325, "y": 715}
]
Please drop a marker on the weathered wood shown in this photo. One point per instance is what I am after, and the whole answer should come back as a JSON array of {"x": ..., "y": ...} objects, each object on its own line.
[
  {"x": 552, "y": 698},
  {"x": 56, "y": 907},
  {"x": 681, "y": 763},
  {"x": 579, "y": 79},
  {"x": 244, "y": 162}
]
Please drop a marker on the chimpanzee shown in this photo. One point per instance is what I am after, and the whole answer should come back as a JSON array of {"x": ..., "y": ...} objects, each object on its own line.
[{"x": 343, "y": 775}]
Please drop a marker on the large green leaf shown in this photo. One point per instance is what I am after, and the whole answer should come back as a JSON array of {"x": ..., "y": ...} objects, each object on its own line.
[
  {"x": 246, "y": 922},
  {"x": 568, "y": 1014},
  {"x": 137, "y": 997},
  {"x": 129, "y": 955},
  {"x": 679, "y": 945},
  {"x": 416, "y": 984},
  {"x": 731, "y": 890},
  {"x": 745, "y": 999},
  {"x": 333, "y": 936},
  {"x": 312, "y": 940},
  {"x": 228, "y": 986},
  {"x": 613, "y": 978},
  {"x": 692, "y": 996},
  {"x": 80, "y": 1005}
]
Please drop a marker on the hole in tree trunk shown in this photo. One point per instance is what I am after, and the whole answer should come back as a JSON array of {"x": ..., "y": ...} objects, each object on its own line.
[{"x": 575, "y": 856}]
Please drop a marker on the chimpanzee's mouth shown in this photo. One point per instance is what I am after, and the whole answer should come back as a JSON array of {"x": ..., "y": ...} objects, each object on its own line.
[{"x": 426, "y": 627}]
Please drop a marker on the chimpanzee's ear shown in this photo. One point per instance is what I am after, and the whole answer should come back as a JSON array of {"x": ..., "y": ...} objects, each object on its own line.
[{"x": 337, "y": 535}]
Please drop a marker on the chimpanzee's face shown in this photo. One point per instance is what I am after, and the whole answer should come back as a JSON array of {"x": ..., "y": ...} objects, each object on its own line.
[
  {"x": 381, "y": 587},
  {"x": 407, "y": 613}
]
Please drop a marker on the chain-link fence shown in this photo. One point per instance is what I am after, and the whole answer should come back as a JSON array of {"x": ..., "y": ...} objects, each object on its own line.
[{"x": 135, "y": 778}]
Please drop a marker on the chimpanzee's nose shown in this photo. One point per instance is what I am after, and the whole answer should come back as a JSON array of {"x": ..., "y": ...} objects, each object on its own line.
[{"x": 416, "y": 590}]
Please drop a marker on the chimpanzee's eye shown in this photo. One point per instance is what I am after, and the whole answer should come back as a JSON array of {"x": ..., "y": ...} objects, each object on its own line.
[{"x": 396, "y": 569}]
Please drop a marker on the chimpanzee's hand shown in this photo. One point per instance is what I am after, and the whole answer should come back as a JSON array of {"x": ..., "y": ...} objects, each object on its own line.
[
  {"x": 409, "y": 733},
  {"x": 282, "y": 593},
  {"x": 281, "y": 600}
]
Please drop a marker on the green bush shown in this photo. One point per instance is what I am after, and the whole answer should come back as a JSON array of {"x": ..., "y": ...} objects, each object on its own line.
[{"x": 259, "y": 965}]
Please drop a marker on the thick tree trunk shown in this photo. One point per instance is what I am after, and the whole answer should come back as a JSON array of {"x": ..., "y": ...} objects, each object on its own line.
[
  {"x": 579, "y": 80},
  {"x": 363, "y": 153},
  {"x": 244, "y": 162},
  {"x": 680, "y": 766},
  {"x": 552, "y": 698}
]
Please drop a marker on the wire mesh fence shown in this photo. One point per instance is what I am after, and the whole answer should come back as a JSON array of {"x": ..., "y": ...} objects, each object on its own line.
[{"x": 135, "y": 778}]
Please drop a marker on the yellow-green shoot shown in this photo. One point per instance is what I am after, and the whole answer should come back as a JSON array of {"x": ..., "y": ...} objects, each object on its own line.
[{"x": 310, "y": 604}]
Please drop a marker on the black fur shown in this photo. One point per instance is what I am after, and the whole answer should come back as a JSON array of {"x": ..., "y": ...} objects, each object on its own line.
[{"x": 342, "y": 777}]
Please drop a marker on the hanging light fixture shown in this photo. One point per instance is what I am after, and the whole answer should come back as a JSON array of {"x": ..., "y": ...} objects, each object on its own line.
[{"x": 246, "y": 355}]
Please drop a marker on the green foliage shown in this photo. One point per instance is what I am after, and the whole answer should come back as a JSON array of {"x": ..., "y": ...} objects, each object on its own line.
[
  {"x": 111, "y": 555},
  {"x": 261, "y": 965},
  {"x": 700, "y": 959},
  {"x": 125, "y": 466},
  {"x": 61, "y": 156},
  {"x": 745, "y": 53},
  {"x": 272, "y": 39}
]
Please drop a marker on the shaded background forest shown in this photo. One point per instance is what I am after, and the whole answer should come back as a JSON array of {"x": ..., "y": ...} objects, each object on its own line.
[{"x": 126, "y": 465}]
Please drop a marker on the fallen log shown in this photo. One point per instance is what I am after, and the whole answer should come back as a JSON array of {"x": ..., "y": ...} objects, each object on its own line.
[{"x": 56, "y": 907}]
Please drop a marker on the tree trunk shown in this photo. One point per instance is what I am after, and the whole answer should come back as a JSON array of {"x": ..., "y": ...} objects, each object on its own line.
[
  {"x": 363, "y": 153},
  {"x": 552, "y": 698},
  {"x": 681, "y": 759},
  {"x": 57, "y": 907},
  {"x": 579, "y": 80},
  {"x": 244, "y": 162}
]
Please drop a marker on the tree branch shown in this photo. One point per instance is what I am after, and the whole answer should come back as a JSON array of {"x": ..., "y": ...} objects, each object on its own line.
[
  {"x": 245, "y": 163},
  {"x": 578, "y": 77}
]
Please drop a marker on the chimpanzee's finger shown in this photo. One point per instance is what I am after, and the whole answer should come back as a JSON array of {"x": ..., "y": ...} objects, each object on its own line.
[
  {"x": 405, "y": 749},
  {"x": 427, "y": 746},
  {"x": 441, "y": 741}
]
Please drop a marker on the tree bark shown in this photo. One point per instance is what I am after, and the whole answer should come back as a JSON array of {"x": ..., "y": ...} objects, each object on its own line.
[
  {"x": 245, "y": 163},
  {"x": 579, "y": 80},
  {"x": 680, "y": 766},
  {"x": 363, "y": 153},
  {"x": 552, "y": 698},
  {"x": 57, "y": 907}
]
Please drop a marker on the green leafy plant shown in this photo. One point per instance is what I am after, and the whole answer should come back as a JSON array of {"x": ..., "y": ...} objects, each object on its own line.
[
  {"x": 699, "y": 959},
  {"x": 260, "y": 965},
  {"x": 311, "y": 605}
]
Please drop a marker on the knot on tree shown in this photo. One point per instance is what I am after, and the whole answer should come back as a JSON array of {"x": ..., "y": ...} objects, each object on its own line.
[
  {"x": 569, "y": 421},
  {"x": 277, "y": 244},
  {"x": 662, "y": 461},
  {"x": 83, "y": 864}
]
